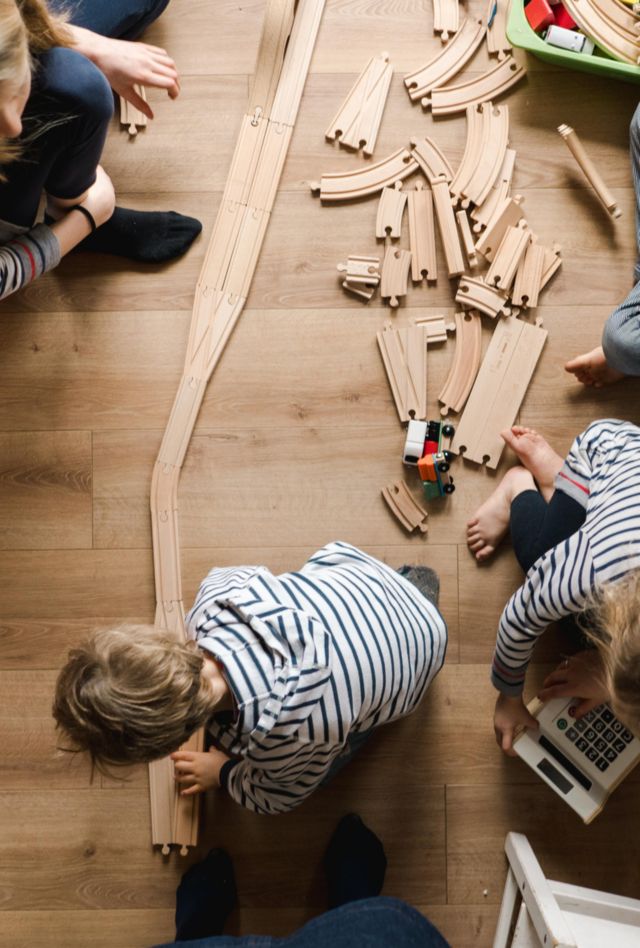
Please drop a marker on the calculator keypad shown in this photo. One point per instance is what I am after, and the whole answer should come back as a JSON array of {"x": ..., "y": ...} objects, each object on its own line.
[{"x": 598, "y": 735}]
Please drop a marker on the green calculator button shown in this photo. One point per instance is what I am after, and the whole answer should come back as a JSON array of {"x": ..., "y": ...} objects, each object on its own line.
[{"x": 562, "y": 724}]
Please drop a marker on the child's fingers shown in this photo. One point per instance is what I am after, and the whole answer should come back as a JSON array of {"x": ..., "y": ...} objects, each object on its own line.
[
  {"x": 184, "y": 755},
  {"x": 584, "y": 707},
  {"x": 564, "y": 690},
  {"x": 191, "y": 791}
]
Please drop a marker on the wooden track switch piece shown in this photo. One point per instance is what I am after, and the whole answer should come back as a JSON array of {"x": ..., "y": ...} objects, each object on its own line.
[
  {"x": 465, "y": 364},
  {"x": 395, "y": 273},
  {"x": 130, "y": 116},
  {"x": 448, "y": 62},
  {"x": 358, "y": 120},
  {"x": 529, "y": 277},
  {"x": 404, "y": 507},
  {"x": 474, "y": 293},
  {"x": 422, "y": 236},
  {"x": 467, "y": 238},
  {"x": 591, "y": 173},
  {"x": 404, "y": 355},
  {"x": 505, "y": 263},
  {"x": 390, "y": 210},
  {"x": 448, "y": 228}
]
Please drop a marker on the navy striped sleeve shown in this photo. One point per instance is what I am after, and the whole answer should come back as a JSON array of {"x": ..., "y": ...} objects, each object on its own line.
[{"x": 27, "y": 257}]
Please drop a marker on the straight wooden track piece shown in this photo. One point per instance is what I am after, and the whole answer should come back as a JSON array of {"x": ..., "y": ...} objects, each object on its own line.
[
  {"x": 360, "y": 268},
  {"x": 483, "y": 213},
  {"x": 497, "y": 42},
  {"x": 509, "y": 215},
  {"x": 552, "y": 263},
  {"x": 466, "y": 238},
  {"x": 357, "y": 122},
  {"x": 395, "y": 273},
  {"x": 594, "y": 18},
  {"x": 430, "y": 158},
  {"x": 490, "y": 157},
  {"x": 422, "y": 234},
  {"x": 404, "y": 507},
  {"x": 220, "y": 296},
  {"x": 435, "y": 327},
  {"x": 465, "y": 363},
  {"x": 358, "y": 289},
  {"x": 505, "y": 263},
  {"x": 529, "y": 277},
  {"x": 362, "y": 181},
  {"x": 474, "y": 293},
  {"x": 491, "y": 84},
  {"x": 448, "y": 228},
  {"x": 448, "y": 62},
  {"x": 404, "y": 355},
  {"x": 591, "y": 173},
  {"x": 498, "y": 391},
  {"x": 390, "y": 210},
  {"x": 446, "y": 18},
  {"x": 130, "y": 116}
]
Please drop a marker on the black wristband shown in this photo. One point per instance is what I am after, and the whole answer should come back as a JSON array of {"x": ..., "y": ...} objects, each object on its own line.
[{"x": 87, "y": 213}]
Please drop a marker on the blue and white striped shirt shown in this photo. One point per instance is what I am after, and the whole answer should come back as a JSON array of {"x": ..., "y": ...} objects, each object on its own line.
[
  {"x": 601, "y": 472},
  {"x": 311, "y": 657}
]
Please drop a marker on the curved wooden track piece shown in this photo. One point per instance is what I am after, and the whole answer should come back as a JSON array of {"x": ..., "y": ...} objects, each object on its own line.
[
  {"x": 357, "y": 122},
  {"x": 422, "y": 236},
  {"x": 448, "y": 227},
  {"x": 404, "y": 355},
  {"x": 230, "y": 260},
  {"x": 512, "y": 249},
  {"x": 395, "y": 274},
  {"x": 497, "y": 41},
  {"x": 472, "y": 151},
  {"x": 448, "y": 62},
  {"x": 483, "y": 213},
  {"x": 466, "y": 360},
  {"x": 474, "y": 293},
  {"x": 489, "y": 85},
  {"x": 404, "y": 507},
  {"x": 431, "y": 159},
  {"x": 595, "y": 19},
  {"x": 446, "y": 18},
  {"x": 526, "y": 288},
  {"x": 390, "y": 211},
  {"x": 362, "y": 181},
  {"x": 508, "y": 215},
  {"x": 487, "y": 138},
  {"x": 590, "y": 171},
  {"x": 498, "y": 390}
]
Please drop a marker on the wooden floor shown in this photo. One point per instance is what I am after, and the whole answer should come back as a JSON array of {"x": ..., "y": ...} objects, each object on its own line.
[{"x": 297, "y": 435}]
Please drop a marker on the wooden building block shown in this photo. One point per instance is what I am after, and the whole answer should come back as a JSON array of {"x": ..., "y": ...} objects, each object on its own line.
[
  {"x": 508, "y": 215},
  {"x": 448, "y": 228},
  {"x": 491, "y": 84},
  {"x": 390, "y": 210},
  {"x": 404, "y": 507},
  {"x": 446, "y": 18},
  {"x": 130, "y": 116},
  {"x": 448, "y": 62},
  {"x": 431, "y": 160},
  {"x": 498, "y": 390},
  {"x": 422, "y": 236},
  {"x": 467, "y": 238},
  {"x": 474, "y": 293},
  {"x": 507, "y": 258},
  {"x": 529, "y": 277},
  {"x": 362, "y": 181},
  {"x": 591, "y": 173},
  {"x": 465, "y": 363},
  {"x": 404, "y": 355},
  {"x": 358, "y": 120},
  {"x": 483, "y": 213},
  {"x": 395, "y": 273}
]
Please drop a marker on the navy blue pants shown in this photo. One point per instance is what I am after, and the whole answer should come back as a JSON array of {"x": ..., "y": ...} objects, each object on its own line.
[
  {"x": 369, "y": 923},
  {"x": 68, "y": 113},
  {"x": 536, "y": 526}
]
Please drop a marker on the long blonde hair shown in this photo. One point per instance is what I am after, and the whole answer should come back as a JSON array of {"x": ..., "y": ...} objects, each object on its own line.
[
  {"x": 26, "y": 29},
  {"x": 612, "y": 623}
]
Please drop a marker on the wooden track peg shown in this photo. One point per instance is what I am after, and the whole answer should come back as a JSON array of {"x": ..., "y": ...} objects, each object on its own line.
[
  {"x": 591, "y": 173},
  {"x": 497, "y": 42},
  {"x": 395, "y": 273},
  {"x": 431, "y": 160},
  {"x": 491, "y": 84},
  {"x": 507, "y": 258},
  {"x": 474, "y": 293},
  {"x": 404, "y": 507},
  {"x": 390, "y": 210},
  {"x": 482, "y": 214},
  {"x": 465, "y": 363},
  {"x": 422, "y": 235},
  {"x": 528, "y": 281},
  {"x": 448, "y": 62},
  {"x": 448, "y": 228},
  {"x": 446, "y": 18},
  {"x": 404, "y": 355},
  {"x": 508, "y": 215},
  {"x": 130, "y": 116},
  {"x": 362, "y": 181},
  {"x": 357, "y": 122},
  {"x": 499, "y": 388}
]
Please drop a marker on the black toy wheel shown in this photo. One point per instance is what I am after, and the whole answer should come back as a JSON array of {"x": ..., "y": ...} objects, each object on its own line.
[
  {"x": 449, "y": 488},
  {"x": 443, "y": 466},
  {"x": 448, "y": 431}
]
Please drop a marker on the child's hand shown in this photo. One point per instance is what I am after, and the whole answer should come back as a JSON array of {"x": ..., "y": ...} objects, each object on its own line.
[
  {"x": 581, "y": 676},
  {"x": 198, "y": 771},
  {"x": 510, "y": 716}
]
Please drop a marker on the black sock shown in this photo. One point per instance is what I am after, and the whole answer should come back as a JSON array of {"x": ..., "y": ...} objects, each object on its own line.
[
  {"x": 354, "y": 862},
  {"x": 424, "y": 579},
  {"x": 146, "y": 236},
  {"x": 206, "y": 896}
]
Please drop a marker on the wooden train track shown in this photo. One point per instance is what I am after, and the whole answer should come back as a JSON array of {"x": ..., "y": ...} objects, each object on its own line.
[
  {"x": 431, "y": 159},
  {"x": 448, "y": 62},
  {"x": 363, "y": 181},
  {"x": 491, "y": 84},
  {"x": 486, "y": 145},
  {"x": 357, "y": 121},
  {"x": 465, "y": 363}
]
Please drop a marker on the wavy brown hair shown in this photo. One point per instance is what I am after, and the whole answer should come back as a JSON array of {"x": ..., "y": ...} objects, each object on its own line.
[{"x": 131, "y": 694}]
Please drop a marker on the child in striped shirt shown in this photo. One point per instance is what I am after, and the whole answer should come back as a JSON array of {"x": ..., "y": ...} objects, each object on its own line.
[
  {"x": 288, "y": 673},
  {"x": 575, "y": 529}
]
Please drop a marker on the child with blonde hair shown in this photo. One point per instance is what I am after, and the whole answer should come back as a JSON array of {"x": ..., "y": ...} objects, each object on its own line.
[{"x": 289, "y": 674}]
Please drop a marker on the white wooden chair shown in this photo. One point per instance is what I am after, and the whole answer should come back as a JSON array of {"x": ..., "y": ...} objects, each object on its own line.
[{"x": 538, "y": 913}]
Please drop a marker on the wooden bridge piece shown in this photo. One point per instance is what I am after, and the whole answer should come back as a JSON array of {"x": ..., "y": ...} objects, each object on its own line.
[
  {"x": 431, "y": 160},
  {"x": 390, "y": 211},
  {"x": 591, "y": 173},
  {"x": 526, "y": 288},
  {"x": 130, "y": 116},
  {"x": 498, "y": 390},
  {"x": 466, "y": 360},
  {"x": 509, "y": 215},
  {"x": 358, "y": 120},
  {"x": 395, "y": 274},
  {"x": 508, "y": 256},
  {"x": 448, "y": 62},
  {"x": 404, "y": 354},
  {"x": 474, "y": 293},
  {"x": 362, "y": 181},
  {"x": 422, "y": 235},
  {"x": 404, "y": 507},
  {"x": 448, "y": 228},
  {"x": 283, "y": 61},
  {"x": 497, "y": 41},
  {"x": 491, "y": 84},
  {"x": 446, "y": 18},
  {"x": 483, "y": 213}
]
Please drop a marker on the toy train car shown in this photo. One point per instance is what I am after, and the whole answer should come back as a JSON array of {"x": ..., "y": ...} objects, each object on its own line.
[{"x": 424, "y": 449}]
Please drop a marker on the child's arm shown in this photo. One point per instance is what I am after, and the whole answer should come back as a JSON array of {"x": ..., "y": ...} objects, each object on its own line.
[
  {"x": 198, "y": 771},
  {"x": 575, "y": 475}
]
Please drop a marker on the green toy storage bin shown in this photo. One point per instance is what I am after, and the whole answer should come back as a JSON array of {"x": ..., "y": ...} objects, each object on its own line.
[{"x": 520, "y": 34}]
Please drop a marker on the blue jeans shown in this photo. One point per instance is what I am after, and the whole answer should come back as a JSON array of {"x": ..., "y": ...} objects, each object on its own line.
[
  {"x": 68, "y": 113},
  {"x": 369, "y": 923}
]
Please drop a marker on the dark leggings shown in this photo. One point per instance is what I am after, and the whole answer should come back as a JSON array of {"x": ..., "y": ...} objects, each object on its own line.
[
  {"x": 68, "y": 113},
  {"x": 537, "y": 526}
]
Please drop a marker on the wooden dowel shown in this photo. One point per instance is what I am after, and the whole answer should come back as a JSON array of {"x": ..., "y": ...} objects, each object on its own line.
[{"x": 592, "y": 175}]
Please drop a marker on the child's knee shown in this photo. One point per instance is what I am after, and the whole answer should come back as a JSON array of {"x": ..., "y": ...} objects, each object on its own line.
[{"x": 79, "y": 89}]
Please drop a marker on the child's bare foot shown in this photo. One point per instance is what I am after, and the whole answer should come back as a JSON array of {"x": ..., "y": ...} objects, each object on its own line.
[
  {"x": 536, "y": 455},
  {"x": 592, "y": 369},
  {"x": 491, "y": 521}
]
